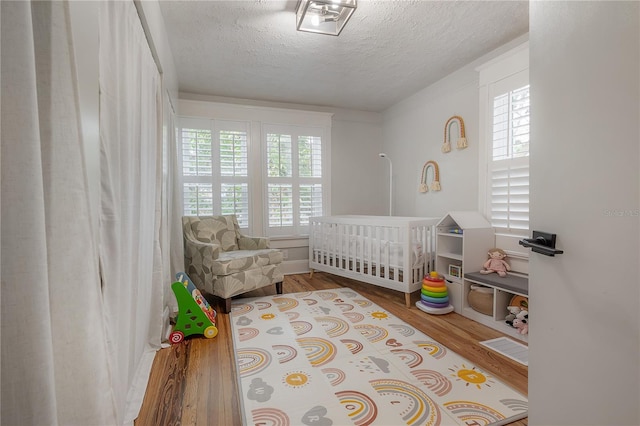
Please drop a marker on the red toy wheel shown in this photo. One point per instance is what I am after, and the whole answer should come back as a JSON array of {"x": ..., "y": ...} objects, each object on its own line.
[{"x": 176, "y": 337}]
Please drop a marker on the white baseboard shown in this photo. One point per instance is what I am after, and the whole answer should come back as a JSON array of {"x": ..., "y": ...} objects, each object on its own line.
[{"x": 290, "y": 267}]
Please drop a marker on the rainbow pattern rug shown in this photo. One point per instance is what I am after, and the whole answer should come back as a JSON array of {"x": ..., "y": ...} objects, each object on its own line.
[{"x": 332, "y": 357}]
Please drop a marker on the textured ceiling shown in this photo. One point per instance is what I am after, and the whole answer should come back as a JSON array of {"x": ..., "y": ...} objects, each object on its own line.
[{"x": 389, "y": 49}]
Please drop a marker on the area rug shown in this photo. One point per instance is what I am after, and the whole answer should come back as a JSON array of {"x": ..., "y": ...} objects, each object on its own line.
[{"x": 333, "y": 357}]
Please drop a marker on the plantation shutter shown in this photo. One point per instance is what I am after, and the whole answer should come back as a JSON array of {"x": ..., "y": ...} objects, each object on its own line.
[
  {"x": 310, "y": 169},
  {"x": 294, "y": 176},
  {"x": 509, "y": 153},
  {"x": 234, "y": 169},
  {"x": 197, "y": 171},
  {"x": 215, "y": 172}
]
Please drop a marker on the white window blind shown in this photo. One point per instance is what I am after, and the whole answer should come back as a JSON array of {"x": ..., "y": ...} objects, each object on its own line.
[
  {"x": 509, "y": 165},
  {"x": 215, "y": 168},
  {"x": 310, "y": 167},
  {"x": 294, "y": 176}
]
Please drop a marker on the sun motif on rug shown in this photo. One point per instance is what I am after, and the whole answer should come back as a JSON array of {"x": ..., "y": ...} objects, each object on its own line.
[
  {"x": 379, "y": 315},
  {"x": 267, "y": 316},
  {"x": 471, "y": 376},
  {"x": 296, "y": 379}
]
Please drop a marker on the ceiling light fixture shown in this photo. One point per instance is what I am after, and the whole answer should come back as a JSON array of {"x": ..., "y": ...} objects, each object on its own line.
[{"x": 324, "y": 16}]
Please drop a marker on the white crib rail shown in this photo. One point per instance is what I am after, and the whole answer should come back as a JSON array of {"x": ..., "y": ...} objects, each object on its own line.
[{"x": 392, "y": 252}]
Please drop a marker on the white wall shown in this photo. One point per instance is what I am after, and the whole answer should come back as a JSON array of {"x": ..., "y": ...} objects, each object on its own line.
[
  {"x": 414, "y": 133},
  {"x": 359, "y": 177},
  {"x": 584, "y": 343}
]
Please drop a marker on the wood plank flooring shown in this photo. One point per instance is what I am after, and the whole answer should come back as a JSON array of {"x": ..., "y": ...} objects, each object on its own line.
[{"x": 194, "y": 382}]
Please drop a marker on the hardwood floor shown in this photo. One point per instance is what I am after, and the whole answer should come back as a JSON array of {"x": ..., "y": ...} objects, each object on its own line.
[{"x": 194, "y": 382}]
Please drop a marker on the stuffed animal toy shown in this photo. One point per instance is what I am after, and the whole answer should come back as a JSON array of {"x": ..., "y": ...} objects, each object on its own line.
[
  {"x": 521, "y": 325},
  {"x": 496, "y": 263},
  {"x": 513, "y": 312}
]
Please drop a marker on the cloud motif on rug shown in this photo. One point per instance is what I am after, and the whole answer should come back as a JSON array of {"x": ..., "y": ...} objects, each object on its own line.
[
  {"x": 276, "y": 331},
  {"x": 243, "y": 321},
  {"x": 316, "y": 417},
  {"x": 259, "y": 390}
]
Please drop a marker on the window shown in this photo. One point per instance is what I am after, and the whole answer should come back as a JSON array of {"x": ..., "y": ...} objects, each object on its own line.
[
  {"x": 294, "y": 178},
  {"x": 504, "y": 122},
  {"x": 215, "y": 168},
  {"x": 509, "y": 166},
  {"x": 273, "y": 177}
]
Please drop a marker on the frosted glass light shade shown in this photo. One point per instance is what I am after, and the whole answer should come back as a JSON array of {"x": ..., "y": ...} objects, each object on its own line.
[{"x": 324, "y": 16}]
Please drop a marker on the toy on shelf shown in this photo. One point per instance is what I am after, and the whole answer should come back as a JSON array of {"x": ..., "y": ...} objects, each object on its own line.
[
  {"x": 521, "y": 325},
  {"x": 518, "y": 317},
  {"x": 434, "y": 296},
  {"x": 496, "y": 263},
  {"x": 195, "y": 315}
]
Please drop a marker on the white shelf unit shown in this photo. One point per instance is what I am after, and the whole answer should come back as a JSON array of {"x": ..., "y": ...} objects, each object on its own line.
[
  {"x": 503, "y": 291},
  {"x": 467, "y": 250}
]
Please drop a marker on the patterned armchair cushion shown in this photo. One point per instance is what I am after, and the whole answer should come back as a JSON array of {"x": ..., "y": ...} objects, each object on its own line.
[
  {"x": 223, "y": 230},
  {"x": 252, "y": 243},
  {"x": 231, "y": 285},
  {"x": 231, "y": 262}
]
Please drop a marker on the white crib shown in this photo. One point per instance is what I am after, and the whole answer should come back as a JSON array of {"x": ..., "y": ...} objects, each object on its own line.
[{"x": 388, "y": 251}]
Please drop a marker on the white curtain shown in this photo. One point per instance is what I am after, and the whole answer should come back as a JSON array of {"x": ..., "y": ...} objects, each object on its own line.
[
  {"x": 81, "y": 312},
  {"x": 131, "y": 212},
  {"x": 54, "y": 358},
  {"x": 171, "y": 232}
]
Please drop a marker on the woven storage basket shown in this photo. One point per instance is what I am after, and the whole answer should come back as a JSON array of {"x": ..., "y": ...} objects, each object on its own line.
[{"x": 481, "y": 299}]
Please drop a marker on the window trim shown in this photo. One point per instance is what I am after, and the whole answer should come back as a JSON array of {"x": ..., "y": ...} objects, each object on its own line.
[
  {"x": 503, "y": 67},
  {"x": 216, "y": 180},
  {"x": 256, "y": 116},
  {"x": 296, "y": 180}
]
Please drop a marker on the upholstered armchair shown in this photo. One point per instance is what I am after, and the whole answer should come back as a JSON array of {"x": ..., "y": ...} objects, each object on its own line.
[{"x": 223, "y": 262}]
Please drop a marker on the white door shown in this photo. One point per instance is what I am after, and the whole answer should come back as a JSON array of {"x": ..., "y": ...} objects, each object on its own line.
[{"x": 585, "y": 155}]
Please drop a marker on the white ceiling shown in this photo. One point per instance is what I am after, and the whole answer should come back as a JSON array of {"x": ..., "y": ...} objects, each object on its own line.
[{"x": 390, "y": 49}]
